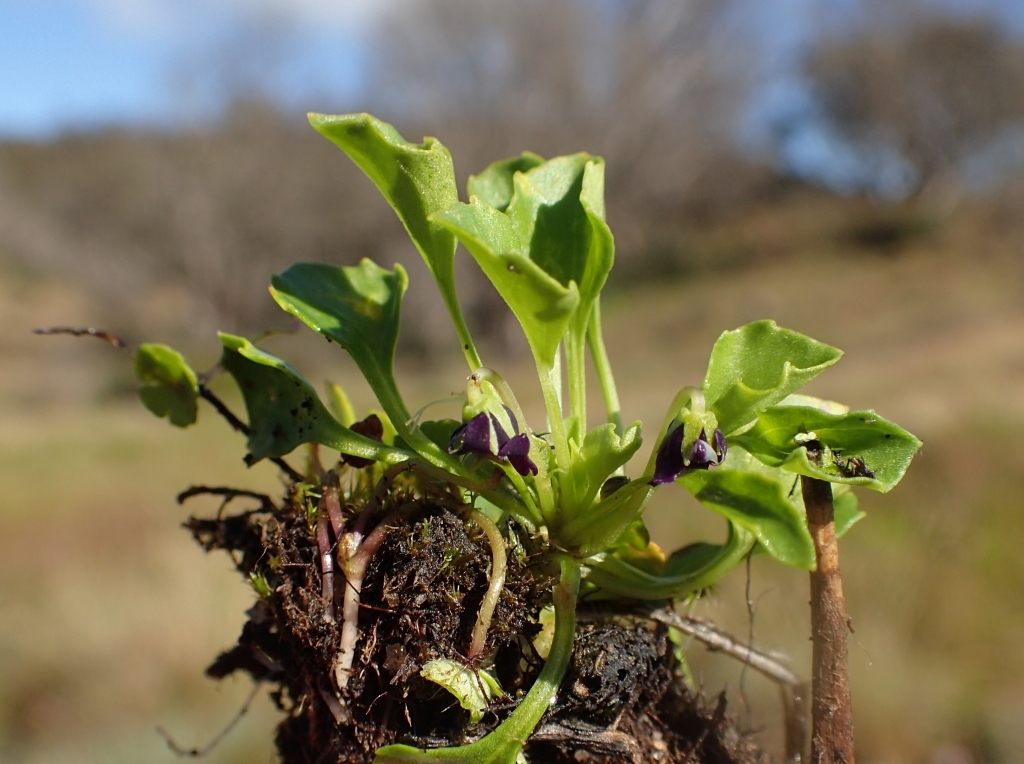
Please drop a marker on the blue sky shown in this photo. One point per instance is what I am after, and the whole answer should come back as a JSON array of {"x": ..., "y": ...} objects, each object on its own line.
[
  {"x": 81, "y": 64},
  {"x": 73, "y": 65}
]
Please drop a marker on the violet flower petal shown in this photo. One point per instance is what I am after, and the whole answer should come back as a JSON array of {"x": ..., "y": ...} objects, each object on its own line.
[
  {"x": 669, "y": 463},
  {"x": 720, "y": 446},
  {"x": 517, "y": 451},
  {"x": 474, "y": 437}
]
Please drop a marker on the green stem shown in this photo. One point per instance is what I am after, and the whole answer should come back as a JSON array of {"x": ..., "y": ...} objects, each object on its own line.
[
  {"x": 451, "y": 301},
  {"x": 524, "y": 492},
  {"x": 550, "y": 385},
  {"x": 391, "y": 401},
  {"x": 595, "y": 340},
  {"x": 504, "y": 501},
  {"x": 503, "y": 745},
  {"x": 575, "y": 346}
]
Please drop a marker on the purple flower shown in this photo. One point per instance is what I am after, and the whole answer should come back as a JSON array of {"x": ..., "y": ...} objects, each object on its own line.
[
  {"x": 483, "y": 434},
  {"x": 673, "y": 460}
]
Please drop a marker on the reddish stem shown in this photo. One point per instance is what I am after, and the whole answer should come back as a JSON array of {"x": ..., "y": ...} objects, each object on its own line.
[
  {"x": 323, "y": 542},
  {"x": 831, "y": 710}
]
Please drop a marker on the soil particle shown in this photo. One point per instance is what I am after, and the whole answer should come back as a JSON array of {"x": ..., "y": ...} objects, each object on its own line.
[{"x": 620, "y": 700}]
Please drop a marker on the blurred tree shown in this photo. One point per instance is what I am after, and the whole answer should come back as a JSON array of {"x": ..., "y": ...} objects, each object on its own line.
[{"x": 937, "y": 90}]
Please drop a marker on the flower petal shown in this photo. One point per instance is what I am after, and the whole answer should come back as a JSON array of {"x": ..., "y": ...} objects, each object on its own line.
[
  {"x": 669, "y": 463},
  {"x": 720, "y": 446},
  {"x": 517, "y": 451},
  {"x": 474, "y": 437}
]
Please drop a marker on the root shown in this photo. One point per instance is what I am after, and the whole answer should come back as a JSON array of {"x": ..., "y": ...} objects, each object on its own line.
[
  {"x": 323, "y": 542},
  {"x": 496, "y": 584},
  {"x": 355, "y": 569}
]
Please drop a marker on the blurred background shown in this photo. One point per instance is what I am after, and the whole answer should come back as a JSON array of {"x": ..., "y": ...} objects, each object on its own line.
[{"x": 853, "y": 169}]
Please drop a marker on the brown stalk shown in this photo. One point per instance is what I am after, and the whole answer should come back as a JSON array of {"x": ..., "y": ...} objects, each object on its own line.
[{"x": 831, "y": 711}]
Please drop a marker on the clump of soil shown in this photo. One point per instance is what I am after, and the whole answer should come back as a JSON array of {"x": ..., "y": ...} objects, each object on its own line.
[{"x": 621, "y": 699}]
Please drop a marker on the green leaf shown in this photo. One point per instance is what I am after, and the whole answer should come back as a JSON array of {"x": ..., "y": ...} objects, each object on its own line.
[
  {"x": 494, "y": 185},
  {"x": 340, "y": 405},
  {"x": 596, "y": 529},
  {"x": 690, "y": 570},
  {"x": 358, "y": 307},
  {"x": 169, "y": 386},
  {"x": 603, "y": 452},
  {"x": 473, "y": 689},
  {"x": 760, "y": 505},
  {"x": 756, "y": 366},
  {"x": 542, "y": 305},
  {"x": 417, "y": 180},
  {"x": 284, "y": 410},
  {"x": 781, "y": 434},
  {"x": 846, "y": 509},
  {"x": 557, "y": 209}
]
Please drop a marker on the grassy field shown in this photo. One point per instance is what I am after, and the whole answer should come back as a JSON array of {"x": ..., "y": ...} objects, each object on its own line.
[{"x": 109, "y": 612}]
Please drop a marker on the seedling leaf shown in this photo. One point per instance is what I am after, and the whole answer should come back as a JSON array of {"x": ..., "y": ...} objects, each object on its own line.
[
  {"x": 494, "y": 185},
  {"x": 542, "y": 304},
  {"x": 417, "y": 179},
  {"x": 787, "y": 437},
  {"x": 284, "y": 410},
  {"x": 756, "y": 366},
  {"x": 759, "y": 504},
  {"x": 169, "y": 386},
  {"x": 473, "y": 689}
]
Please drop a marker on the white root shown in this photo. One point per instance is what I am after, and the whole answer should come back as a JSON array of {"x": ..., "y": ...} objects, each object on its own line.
[
  {"x": 354, "y": 567},
  {"x": 494, "y": 588}
]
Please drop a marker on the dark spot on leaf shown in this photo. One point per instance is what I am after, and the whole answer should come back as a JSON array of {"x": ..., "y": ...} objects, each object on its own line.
[{"x": 294, "y": 411}]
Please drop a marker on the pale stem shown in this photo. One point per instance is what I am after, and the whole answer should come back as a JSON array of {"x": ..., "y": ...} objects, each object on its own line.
[
  {"x": 451, "y": 301},
  {"x": 494, "y": 587},
  {"x": 576, "y": 363},
  {"x": 550, "y": 382},
  {"x": 595, "y": 340}
]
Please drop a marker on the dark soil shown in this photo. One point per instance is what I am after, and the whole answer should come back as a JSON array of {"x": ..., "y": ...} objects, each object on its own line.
[{"x": 621, "y": 699}]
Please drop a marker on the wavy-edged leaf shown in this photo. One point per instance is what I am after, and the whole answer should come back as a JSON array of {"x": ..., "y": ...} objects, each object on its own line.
[
  {"x": 847, "y": 511},
  {"x": 759, "y": 504},
  {"x": 284, "y": 410},
  {"x": 359, "y": 308},
  {"x": 557, "y": 209},
  {"x": 757, "y": 366},
  {"x": 687, "y": 571},
  {"x": 782, "y": 435},
  {"x": 602, "y": 453},
  {"x": 542, "y": 305},
  {"x": 417, "y": 179},
  {"x": 169, "y": 386},
  {"x": 494, "y": 184}
]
